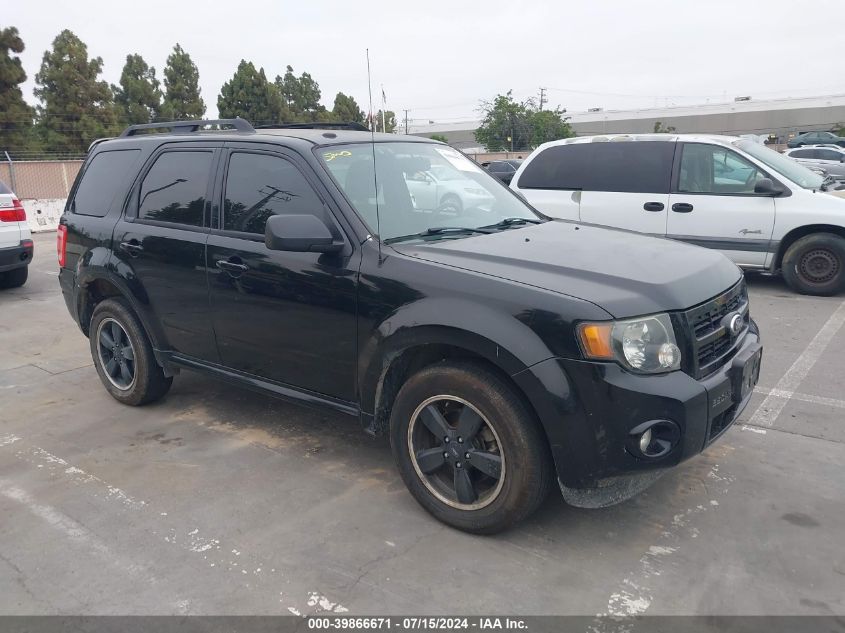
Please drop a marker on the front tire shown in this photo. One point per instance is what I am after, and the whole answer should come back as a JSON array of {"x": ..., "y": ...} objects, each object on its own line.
[
  {"x": 468, "y": 449},
  {"x": 815, "y": 264},
  {"x": 123, "y": 355},
  {"x": 14, "y": 278}
]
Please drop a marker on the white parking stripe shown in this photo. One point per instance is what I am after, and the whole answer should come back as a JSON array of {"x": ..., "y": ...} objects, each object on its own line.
[
  {"x": 803, "y": 397},
  {"x": 770, "y": 409}
]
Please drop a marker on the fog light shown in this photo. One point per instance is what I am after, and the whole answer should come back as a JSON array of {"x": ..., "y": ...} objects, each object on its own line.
[{"x": 645, "y": 441}]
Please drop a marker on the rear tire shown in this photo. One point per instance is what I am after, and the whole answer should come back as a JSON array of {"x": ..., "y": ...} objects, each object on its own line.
[
  {"x": 14, "y": 278},
  {"x": 123, "y": 355},
  {"x": 815, "y": 264},
  {"x": 509, "y": 469}
]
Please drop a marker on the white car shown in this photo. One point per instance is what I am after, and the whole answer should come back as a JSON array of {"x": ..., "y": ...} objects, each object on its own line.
[
  {"x": 443, "y": 187},
  {"x": 827, "y": 157},
  {"x": 760, "y": 208},
  {"x": 15, "y": 240}
]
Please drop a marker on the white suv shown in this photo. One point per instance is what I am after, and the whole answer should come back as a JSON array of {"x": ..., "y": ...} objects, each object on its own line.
[
  {"x": 15, "y": 240},
  {"x": 760, "y": 208}
]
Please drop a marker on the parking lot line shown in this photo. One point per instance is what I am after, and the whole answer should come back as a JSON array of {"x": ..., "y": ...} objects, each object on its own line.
[
  {"x": 770, "y": 409},
  {"x": 803, "y": 397}
]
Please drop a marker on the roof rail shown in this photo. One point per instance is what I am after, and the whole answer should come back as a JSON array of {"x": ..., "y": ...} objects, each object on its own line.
[
  {"x": 183, "y": 127},
  {"x": 351, "y": 125}
]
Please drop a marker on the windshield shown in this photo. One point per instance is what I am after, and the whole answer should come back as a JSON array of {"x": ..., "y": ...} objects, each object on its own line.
[
  {"x": 422, "y": 186},
  {"x": 781, "y": 164}
]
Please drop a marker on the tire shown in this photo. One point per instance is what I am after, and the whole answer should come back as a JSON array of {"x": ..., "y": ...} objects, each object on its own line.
[
  {"x": 449, "y": 202},
  {"x": 505, "y": 429},
  {"x": 815, "y": 264},
  {"x": 14, "y": 278},
  {"x": 114, "y": 321}
]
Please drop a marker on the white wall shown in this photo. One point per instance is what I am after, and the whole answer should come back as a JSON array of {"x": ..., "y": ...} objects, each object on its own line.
[{"x": 43, "y": 213}]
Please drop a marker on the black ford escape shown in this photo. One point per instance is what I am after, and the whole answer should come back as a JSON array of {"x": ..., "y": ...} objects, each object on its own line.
[{"x": 390, "y": 278}]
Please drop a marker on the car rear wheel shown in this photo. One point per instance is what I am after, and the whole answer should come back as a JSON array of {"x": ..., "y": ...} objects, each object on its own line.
[
  {"x": 123, "y": 355},
  {"x": 14, "y": 278},
  {"x": 815, "y": 264},
  {"x": 468, "y": 449}
]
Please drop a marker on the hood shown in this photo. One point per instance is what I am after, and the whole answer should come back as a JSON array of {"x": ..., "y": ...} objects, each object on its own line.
[{"x": 627, "y": 274}]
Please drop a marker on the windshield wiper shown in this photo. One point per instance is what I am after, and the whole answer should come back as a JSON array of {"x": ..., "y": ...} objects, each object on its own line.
[
  {"x": 438, "y": 230},
  {"x": 506, "y": 222}
]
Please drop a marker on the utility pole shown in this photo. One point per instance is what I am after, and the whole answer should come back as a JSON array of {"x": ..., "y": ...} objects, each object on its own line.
[
  {"x": 406, "y": 122},
  {"x": 542, "y": 98}
]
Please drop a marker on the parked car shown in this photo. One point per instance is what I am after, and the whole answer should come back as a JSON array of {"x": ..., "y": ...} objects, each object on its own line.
[
  {"x": 441, "y": 187},
  {"x": 504, "y": 169},
  {"x": 816, "y": 138},
  {"x": 760, "y": 208},
  {"x": 832, "y": 161},
  {"x": 15, "y": 240},
  {"x": 500, "y": 351}
]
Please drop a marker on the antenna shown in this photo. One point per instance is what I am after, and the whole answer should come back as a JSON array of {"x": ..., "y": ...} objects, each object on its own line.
[{"x": 373, "y": 143}]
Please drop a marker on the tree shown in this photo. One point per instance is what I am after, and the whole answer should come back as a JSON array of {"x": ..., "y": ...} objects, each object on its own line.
[
  {"x": 15, "y": 114},
  {"x": 301, "y": 96},
  {"x": 548, "y": 125},
  {"x": 659, "y": 129},
  {"x": 389, "y": 121},
  {"x": 510, "y": 125},
  {"x": 346, "y": 109},
  {"x": 181, "y": 81},
  {"x": 138, "y": 97},
  {"x": 250, "y": 96},
  {"x": 439, "y": 137},
  {"x": 77, "y": 107}
]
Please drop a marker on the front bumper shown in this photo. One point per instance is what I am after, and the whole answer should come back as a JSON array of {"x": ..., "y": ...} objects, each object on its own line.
[
  {"x": 591, "y": 437},
  {"x": 16, "y": 256}
]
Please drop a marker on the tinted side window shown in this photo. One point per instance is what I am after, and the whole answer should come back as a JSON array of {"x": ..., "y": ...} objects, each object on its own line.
[
  {"x": 259, "y": 186},
  {"x": 557, "y": 167},
  {"x": 803, "y": 153},
  {"x": 175, "y": 187},
  {"x": 497, "y": 167},
  {"x": 632, "y": 167},
  {"x": 106, "y": 174},
  {"x": 828, "y": 154}
]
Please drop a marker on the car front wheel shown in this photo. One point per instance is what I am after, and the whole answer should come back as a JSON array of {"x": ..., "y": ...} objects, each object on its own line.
[
  {"x": 815, "y": 264},
  {"x": 468, "y": 449}
]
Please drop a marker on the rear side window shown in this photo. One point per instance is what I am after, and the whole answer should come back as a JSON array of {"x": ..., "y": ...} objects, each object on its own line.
[
  {"x": 803, "y": 153},
  {"x": 557, "y": 167},
  {"x": 174, "y": 190},
  {"x": 259, "y": 186},
  {"x": 630, "y": 166},
  {"x": 828, "y": 154},
  {"x": 106, "y": 175}
]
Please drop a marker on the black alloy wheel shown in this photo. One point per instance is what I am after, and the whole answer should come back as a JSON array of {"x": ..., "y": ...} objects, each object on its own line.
[
  {"x": 456, "y": 452},
  {"x": 117, "y": 355}
]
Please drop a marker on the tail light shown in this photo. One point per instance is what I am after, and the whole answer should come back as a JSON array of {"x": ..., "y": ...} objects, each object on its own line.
[
  {"x": 61, "y": 244},
  {"x": 14, "y": 214}
]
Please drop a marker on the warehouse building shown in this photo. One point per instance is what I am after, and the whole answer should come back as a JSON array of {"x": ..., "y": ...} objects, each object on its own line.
[{"x": 777, "y": 119}]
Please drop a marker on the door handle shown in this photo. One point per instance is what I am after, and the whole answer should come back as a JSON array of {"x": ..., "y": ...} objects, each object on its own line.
[
  {"x": 231, "y": 267},
  {"x": 653, "y": 206},
  {"x": 682, "y": 207},
  {"x": 132, "y": 247}
]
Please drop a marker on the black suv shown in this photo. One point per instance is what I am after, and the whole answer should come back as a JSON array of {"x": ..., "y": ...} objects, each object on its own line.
[{"x": 500, "y": 350}]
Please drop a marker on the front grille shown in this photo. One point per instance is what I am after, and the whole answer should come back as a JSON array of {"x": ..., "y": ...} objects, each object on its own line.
[{"x": 711, "y": 343}]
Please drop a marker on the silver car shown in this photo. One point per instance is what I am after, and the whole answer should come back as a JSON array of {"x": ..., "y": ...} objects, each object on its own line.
[
  {"x": 444, "y": 187},
  {"x": 830, "y": 159}
]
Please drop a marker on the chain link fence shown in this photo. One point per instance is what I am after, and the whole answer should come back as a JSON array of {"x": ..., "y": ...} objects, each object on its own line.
[{"x": 42, "y": 183}]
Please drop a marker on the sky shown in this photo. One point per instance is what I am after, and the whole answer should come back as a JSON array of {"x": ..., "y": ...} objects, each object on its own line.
[{"x": 440, "y": 59}]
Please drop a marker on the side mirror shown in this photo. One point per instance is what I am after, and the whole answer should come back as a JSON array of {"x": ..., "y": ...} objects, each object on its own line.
[
  {"x": 765, "y": 187},
  {"x": 842, "y": 160},
  {"x": 299, "y": 233}
]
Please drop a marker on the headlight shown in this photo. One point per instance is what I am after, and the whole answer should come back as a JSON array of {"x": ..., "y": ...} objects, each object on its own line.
[{"x": 645, "y": 345}]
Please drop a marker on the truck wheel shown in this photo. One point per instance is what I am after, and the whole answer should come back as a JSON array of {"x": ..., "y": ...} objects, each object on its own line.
[
  {"x": 14, "y": 278},
  {"x": 123, "y": 355},
  {"x": 468, "y": 449},
  {"x": 815, "y": 264}
]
